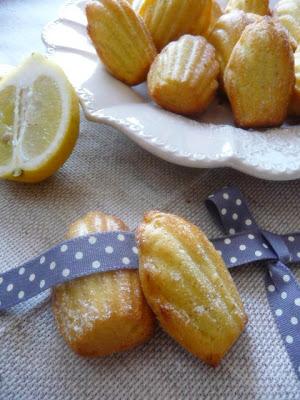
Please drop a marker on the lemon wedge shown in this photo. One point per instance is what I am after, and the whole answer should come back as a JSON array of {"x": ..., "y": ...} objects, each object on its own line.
[{"x": 39, "y": 120}]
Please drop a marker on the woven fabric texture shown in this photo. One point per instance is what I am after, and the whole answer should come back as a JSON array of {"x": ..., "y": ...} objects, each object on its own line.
[{"x": 110, "y": 173}]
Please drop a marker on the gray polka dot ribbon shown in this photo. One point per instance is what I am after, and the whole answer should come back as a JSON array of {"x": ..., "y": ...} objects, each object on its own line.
[
  {"x": 249, "y": 243},
  {"x": 83, "y": 256},
  {"x": 111, "y": 251}
]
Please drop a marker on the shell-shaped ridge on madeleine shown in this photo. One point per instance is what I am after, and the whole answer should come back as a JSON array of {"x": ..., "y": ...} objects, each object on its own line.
[
  {"x": 121, "y": 39},
  {"x": 260, "y": 7},
  {"x": 106, "y": 312},
  {"x": 183, "y": 77},
  {"x": 259, "y": 77},
  {"x": 288, "y": 13},
  {"x": 167, "y": 20},
  {"x": 188, "y": 286}
]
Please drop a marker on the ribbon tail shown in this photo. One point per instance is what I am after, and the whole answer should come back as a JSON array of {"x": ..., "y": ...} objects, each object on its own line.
[{"x": 283, "y": 293}]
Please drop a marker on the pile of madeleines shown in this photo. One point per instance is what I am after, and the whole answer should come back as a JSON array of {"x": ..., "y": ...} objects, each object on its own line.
[
  {"x": 186, "y": 50},
  {"x": 182, "y": 281}
]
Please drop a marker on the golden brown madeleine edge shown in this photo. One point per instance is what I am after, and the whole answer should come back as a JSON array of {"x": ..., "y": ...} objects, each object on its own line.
[
  {"x": 140, "y": 316},
  {"x": 168, "y": 317}
]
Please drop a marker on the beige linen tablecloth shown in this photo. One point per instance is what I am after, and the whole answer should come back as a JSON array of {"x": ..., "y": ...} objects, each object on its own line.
[{"x": 110, "y": 173}]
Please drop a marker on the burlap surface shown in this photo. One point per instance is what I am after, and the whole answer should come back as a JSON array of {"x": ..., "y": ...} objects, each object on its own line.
[{"x": 110, "y": 173}]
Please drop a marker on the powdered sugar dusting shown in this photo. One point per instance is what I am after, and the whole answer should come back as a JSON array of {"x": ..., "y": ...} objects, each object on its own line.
[{"x": 199, "y": 310}]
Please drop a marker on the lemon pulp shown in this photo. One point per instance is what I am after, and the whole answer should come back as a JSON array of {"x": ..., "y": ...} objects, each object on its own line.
[{"x": 39, "y": 120}]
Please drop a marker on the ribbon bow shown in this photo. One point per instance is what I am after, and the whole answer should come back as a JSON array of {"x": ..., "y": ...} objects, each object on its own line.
[
  {"x": 248, "y": 244},
  {"x": 245, "y": 243}
]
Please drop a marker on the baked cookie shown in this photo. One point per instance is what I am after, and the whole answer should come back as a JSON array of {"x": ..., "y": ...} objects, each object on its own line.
[
  {"x": 260, "y": 7},
  {"x": 294, "y": 107},
  {"x": 204, "y": 20},
  {"x": 183, "y": 77},
  {"x": 288, "y": 13},
  {"x": 121, "y": 39},
  {"x": 103, "y": 313},
  {"x": 167, "y": 20},
  {"x": 216, "y": 13},
  {"x": 227, "y": 32},
  {"x": 259, "y": 77},
  {"x": 188, "y": 286}
]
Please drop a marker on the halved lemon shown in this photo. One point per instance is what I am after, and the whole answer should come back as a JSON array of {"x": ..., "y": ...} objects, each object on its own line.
[{"x": 39, "y": 120}]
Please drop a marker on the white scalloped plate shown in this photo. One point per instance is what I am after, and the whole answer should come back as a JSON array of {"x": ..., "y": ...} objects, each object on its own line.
[{"x": 209, "y": 142}]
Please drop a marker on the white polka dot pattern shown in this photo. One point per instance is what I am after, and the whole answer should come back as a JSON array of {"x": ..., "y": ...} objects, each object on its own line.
[
  {"x": 96, "y": 264},
  {"x": 79, "y": 255},
  {"x": 92, "y": 240},
  {"x": 283, "y": 292},
  {"x": 112, "y": 251},
  {"x": 107, "y": 251},
  {"x": 278, "y": 312},
  {"x": 135, "y": 250},
  {"x": 42, "y": 260},
  {"x": 286, "y": 297}
]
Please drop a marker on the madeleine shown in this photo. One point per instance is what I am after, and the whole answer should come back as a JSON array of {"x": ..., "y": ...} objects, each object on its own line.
[
  {"x": 259, "y": 77},
  {"x": 103, "y": 313},
  {"x": 188, "y": 286},
  {"x": 183, "y": 77},
  {"x": 288, "y": 13},
  {"x": 294, "y": 107},
  {"x": 227, "y": 32},
  {"x": 168, "y": 20},
  {"x": 260, "y": 7},
  {"x": 126, "y": 53},
  {"x": 216, "y": 13}
]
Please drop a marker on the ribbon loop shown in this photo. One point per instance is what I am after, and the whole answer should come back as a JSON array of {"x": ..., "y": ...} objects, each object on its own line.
[
  {"x": 229, "y": 207},
  {"x": 278, "y": 245}
]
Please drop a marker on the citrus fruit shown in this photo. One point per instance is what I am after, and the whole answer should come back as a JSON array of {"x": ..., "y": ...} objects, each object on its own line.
[{"x": 39, "y": 120}]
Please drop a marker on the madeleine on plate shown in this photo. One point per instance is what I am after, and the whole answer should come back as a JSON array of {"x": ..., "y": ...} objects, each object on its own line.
[
  {"x": 103, "y": 313},
  {"x": 215, "y": 13},
  {"x": 288, "y": 13},
  {"x": 206, "y": 16},
  {"x": 260, "y": 7},
  {"x": 121, "y": 39},
  {"x": 259, "y": 77},
  {"x": 183, "y": 77},
  {"x": 188, "y": 286},
  {"x": 294, "y": 107},
  {"x": 227, "y": 32},
  {"x": 167, "y": 20}
]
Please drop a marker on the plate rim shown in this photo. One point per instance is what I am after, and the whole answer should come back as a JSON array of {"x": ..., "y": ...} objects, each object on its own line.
[{"x": 150, "y": 143}]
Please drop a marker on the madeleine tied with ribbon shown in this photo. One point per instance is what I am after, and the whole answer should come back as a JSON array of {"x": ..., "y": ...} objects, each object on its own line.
[
  {"x": 185, "y": 282},
  {"x": 104, "y": 313},
  {"x": 188, "y": 287},
  {"x": 100, "y": 252}
]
